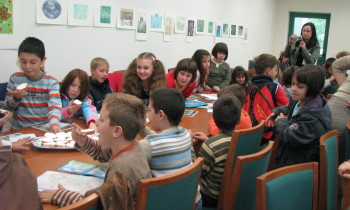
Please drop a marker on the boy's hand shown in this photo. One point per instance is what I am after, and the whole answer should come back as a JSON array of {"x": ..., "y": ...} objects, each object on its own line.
[
  {"x": 280, "y": 117},
  {"x": 215, "y": 89},
  {"x": 78, "y": 136},
  {"x": 200, "y": 136},
  {"x": 19, "y": 94},
  {"x": 270, "y": 120},
  {"x": 19, "y": 145},
  {"x": 344, "y": 170},
  {"x": 55, "y": 129},
  {"x": 47, "y": 195},
  {"x": 73, "y": 108},
  {"x": 4, "y": 119}
]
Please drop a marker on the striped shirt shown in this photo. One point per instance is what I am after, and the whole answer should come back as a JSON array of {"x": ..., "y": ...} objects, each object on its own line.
[{"x": 41, "y": 104}]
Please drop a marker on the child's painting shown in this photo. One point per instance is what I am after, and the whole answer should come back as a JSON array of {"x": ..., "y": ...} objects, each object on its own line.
[
  {"x": 225, "y": 30},
  {"x": 6, "y": 17},
  {"x": 200, "y": 26},
  {"x": 142, "y": 24},
  {"x": 126, "y": 18},
  {"x": 80, "y": 12},
  {"x": 211, "y": 27},
  {"x": 157, "y": 21},
  {"x": 51, "y": 12},
  {"x": 240, "y": 32},
  {"x": 233, "y": 30},
  {"x": 218, "y": 30},
  {"x": 180, "y": 24},
  {"x": 190, "y": 29},
  {"x": 169, "y": 28},
  {"x": 105, "y": 14}
]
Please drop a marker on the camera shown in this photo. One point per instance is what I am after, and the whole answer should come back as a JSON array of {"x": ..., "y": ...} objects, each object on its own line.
[{"x": 298, "y": 37}]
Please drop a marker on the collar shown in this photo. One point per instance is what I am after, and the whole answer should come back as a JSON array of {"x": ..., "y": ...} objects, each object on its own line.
[
  {"x": 126, "y": 149},
  {"x": 183, "y": 87}
]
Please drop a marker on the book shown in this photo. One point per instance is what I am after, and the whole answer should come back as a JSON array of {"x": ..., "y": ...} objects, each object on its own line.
[
  {"x": 190, "y": 113},
  {"x": 82, "y": 168},
  {"x": 192, "y": 103},
  {"x": 210, "y": 96}
]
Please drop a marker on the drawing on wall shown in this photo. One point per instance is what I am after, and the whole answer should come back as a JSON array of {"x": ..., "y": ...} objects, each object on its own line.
[
  {"x": 157, "y": 21},
  {"x": 218, "y": 30},
  {"x": 245, "y": 35},
  {"x": 6, "y": 17},
  {"x": 105, "y": 14},
  {"x": 142, "y": 24},
  {"x": 190, "y": 29},
  {"x": 225, "y": 29},
  {"x": 200, "y": 26},
  {"x": 126, "y": 18},
  {"x": 51, "y": 12},
  {"x": 169, "y": 28},
  {"x": 233, "y": 31},
  {"x": 80, "y": 12},
  {"x": 240, "y": 31},
  {"x": 210, "y": 27},
  {"x": 180, "y": 24}
]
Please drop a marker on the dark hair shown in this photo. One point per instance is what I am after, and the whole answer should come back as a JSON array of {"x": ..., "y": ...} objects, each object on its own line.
[
  {"x": 188, "y": 65},
  {"x": 171, "y": 101},
  {"x": 264, "y": 61},
  {"x": 84, "y": 83},
  {"x": 288, "y": 75},
  {"x": 313, "y": 77},
  {"x": 239, "y": 70},
  {"x": 197, "y": 57},
  {"x": 220, "y": 47},
  {"x": 234, "y": 89},
  {"x": 313, "y": 40},
  {"x": 226, "y": 112},
  {"x": 329, "y": 62},
  {"x": 32, "y": 45}
]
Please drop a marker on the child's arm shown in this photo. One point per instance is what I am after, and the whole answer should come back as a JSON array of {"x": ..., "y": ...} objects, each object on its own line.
[
  {"x": 13, "y": 96},
  {"x": 89, "y": 111},
  {"x": 144, "y": 143},
  {"x": 227, "y": 77},
  {"x": 209, "y": 159},
  {"x": 311, "y": 58},
  {"x": 54, "y": 106},
  {"x": 61, "y": 197}
]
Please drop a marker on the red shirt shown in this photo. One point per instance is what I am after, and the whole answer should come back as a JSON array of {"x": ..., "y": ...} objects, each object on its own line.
[{"x": 171, "y": 84}]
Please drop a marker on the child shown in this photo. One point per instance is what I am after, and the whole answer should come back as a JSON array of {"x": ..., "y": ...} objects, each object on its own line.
[
  {"x": 144, "y": 75},
  {"x": 39, "y": 102},
  {"x": 262, "y": 94},
  {"x": 99, "y": 84},
  {"x": 330, "y": 82},
  {"x": 244, "y": 121},
  {"x": 121, "y": 118},
  {"x": 202, "y": 59},
  {"x": 287, "y": 81},
  {"x": 309, "y": 117},
  {"x": 239, "y": 76},
  {"x": 76, "y": 86},
  {"x": 220, "y": 72},
  {"x": 183, "y": 78},
  {"x": 226, "y": 113}
]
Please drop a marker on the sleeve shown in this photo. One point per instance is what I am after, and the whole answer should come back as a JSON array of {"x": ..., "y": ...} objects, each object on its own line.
[
  {"x": 65, "y": 113},
  {"x": 281, "y": 109},
  {"x": 96, "y": 150},
  {"x": 65, "y": 197},
  {"x": 89, "y": 111},
  {"x": 54, "y": 105},
  {"x": 227, "y": 77},
  {"x": 10, "y": 102},
  {"x": 146, "y": 147},
  {"x": 341, "y": 65},
  {"x": 209, "y": 158},
  {"x": 281, "y": 97},
  {"x": 287, "y": 51},
  {"x": 311, "y": 58}
]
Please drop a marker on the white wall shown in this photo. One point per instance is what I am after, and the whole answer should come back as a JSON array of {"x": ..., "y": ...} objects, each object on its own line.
[
  {"x": 339, "y": 26},
  {"x": 69, "y": 47}
]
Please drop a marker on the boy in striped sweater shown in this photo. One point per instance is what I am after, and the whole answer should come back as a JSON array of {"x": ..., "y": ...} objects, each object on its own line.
[{"x": 38, "y": 101}]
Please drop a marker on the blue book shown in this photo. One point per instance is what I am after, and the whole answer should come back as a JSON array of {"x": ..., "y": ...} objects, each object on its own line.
[
  {"x": 82, "y": 168},
  {"x": 192, "y": 104}
]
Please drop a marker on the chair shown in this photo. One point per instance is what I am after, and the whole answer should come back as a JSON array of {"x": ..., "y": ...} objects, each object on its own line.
[
  {"x": 176, "y": 191},
  {"x": 115, "y": 80},
  {"x": 347, "y": 133},
  {"x": 251, "y": 73},
  {"x": 91, "y": 202},
  {"x": 241, "y": 192},
  {"x": 291, "y": 187},
  {"x": 273, "y": 153},
  {"x": 251, "y": 64},
  {"x": 171, "y": 69},
  {"x": 328, "y": 193}
]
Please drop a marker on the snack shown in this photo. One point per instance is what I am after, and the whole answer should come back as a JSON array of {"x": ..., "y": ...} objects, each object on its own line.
[
  {"x": 2, "y": 111},
  {"x": 50, "y": 135},
  {"x": 22, "y": 86},
  {"x": 59, "y": 140},
  {"x": 77, "y": 102},
  {"x": 88, "y": 131}
]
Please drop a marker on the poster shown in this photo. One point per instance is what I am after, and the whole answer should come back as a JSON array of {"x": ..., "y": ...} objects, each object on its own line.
[
  {"x": 157, "y": 21},
  {"x": 126, "y": 18},
  {"x": 80, "y": 12},
  {"x": 225, "y": 30},
  {"x": 142, "y": 24},
  {"x": 105, "y": 14},
  {"x": 210, "y": 27},
  {"x": 6, "y": 17},
  {"x": 190, "y": 29},
  {"x": 233, "y": 30},
  {"x": 51, "y": 12},
  {"x": 200, "y": 26},
  {"x": 180, "y": 24},
  {"x": 169, "y": 28}
]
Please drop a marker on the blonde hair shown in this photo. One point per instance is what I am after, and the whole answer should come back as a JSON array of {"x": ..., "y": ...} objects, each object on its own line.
[{"x": 96, "y": 62}]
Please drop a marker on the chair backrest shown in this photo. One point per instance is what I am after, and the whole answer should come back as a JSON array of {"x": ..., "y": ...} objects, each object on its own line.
[
  {"x": 250, "y": 64},
  {"x": 347, "y": 133},
  {"x": 328, "y": 193},
  {"x": 91, "y": 202},
  {"x": 291, "y": 187},
  {"x": 115, "y": 80},
  {"x": 175, "y": 191},
  {"x": 243, "y": 142},
  {"x": 241, "y": 192},
  {"x": 171, "y": 69},
  {"x": 251, "y": 73}
]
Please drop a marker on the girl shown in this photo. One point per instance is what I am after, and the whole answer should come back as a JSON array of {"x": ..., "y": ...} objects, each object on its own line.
[
  {"x": 183, "y": 77},
  {"x": 144, "y": 75},
  {"x": 309, "y": 117},
  {"x": 202, "y": 59},
  {"x": 220, "y": 72},
  {"x": 76, "y": 86},
  {"x": 287, "y": 81},
  {"x": 239, "y": 76},
  {"x": 39, "y": 101}
]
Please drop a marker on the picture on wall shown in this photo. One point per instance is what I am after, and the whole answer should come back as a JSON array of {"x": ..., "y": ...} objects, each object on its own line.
[
  {"x": 51, "y": 12},
  {"x": 233, "y": 31},
  {"x": 169, "y": 28},
  {"x": 157, "y": 21},
  {"x": 218, "y": 30},
  {"x": 180, "y": 24},
  {"x": 142, "y": 24},
  {"x": 190, "y": 29},
  {"x": 80, "y": 12},
  {"x": 105, "y": 14},
  {"x": 6, "y": 21},
  {"x": 240, "y": 31},
  {"x": 211, "y": 27},
  {"x": 225, "y": 30},
  {"x": 200, "y": 26},
  {"x": 245, "y": 34},
  {"x": 126, "y": 18}
]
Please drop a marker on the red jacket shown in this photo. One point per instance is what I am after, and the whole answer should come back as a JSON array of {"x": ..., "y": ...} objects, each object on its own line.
[{"x": 171, "y": 84}]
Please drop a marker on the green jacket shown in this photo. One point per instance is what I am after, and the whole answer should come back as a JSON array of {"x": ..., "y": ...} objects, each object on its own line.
[
  {"x": 310, "y": 55},
  {"x": 219, "y": 76}
]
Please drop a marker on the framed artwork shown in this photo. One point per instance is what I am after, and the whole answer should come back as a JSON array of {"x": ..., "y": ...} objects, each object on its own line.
[
  {"x": 51, "y": 12},
  {"x": 180, "y": 24},
  {"x": 157, "y": 21},
  {"x": 201, "y": 26},
  {"x": 218, "y": 30},
  {"x": 233, "y": 30},
  {"x": 245, "y": 36},
  {"x": 126, "y": 18},
  {"x": 190, "y": 29},
  {"x": 225, "y": 30},
  {"x": 10, "y": 36},
  {"x": 169, "y": 27},
  {"x": 142, "y": 24},
  {"x": 210, "y": 27},
  {"x": 105, "y": 14},
  {"x": 240, "y": 31},
  {"x": 80, "y": 12}
]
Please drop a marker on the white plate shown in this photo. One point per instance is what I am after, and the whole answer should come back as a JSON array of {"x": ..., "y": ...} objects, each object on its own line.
[{"x": 37, "y": 143}]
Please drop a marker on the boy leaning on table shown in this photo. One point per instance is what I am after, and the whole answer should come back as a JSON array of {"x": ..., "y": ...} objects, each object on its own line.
[{"x": 121, "y": 118}]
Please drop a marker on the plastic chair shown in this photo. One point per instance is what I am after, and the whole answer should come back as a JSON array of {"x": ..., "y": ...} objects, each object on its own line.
[
  {"x": 91, "y": 203},
  {"x": 241, "y": 192},
  {"x": 328, "y": 193},
  {"x": 273, "y": 153},
  {"x": 292, "y": 187},
  {"x": 347, "y": 133},
  {"x": 251, "y": 73},
  {"x": 174, "y": 191},
  {"x": 251, "y": 64},
  {"x": 115, "y": 80}
]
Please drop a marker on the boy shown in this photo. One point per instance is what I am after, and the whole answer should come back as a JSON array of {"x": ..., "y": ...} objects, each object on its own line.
[
  {"x": 226, "y": 113},
  {"x": 121, "y": 118},
  {"x": 262, "y": 94}
]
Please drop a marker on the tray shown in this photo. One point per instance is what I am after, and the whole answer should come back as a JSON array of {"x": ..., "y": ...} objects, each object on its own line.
[{"x": 37, "y": 143}]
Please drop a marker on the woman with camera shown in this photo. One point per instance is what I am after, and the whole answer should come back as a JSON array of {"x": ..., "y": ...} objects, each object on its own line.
[{"x": 305, "y": 49}]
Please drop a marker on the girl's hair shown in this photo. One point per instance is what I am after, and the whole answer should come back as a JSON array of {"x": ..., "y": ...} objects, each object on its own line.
[
  {"x": 313, "y": 77},
  {"x": 132, "y": 83},
  {"x": 329, "y": 62},
  {"x": 239, "y": 70},
  {"x": 288, "y": 75},
  {"x": 96, "y": 62},
  {"x": 197, "y": 57},
  {"x": 188, "y": 65},
  {"x": 313, "y": 40},
  {"x": 32, "y": 45},
  {"x": 220, "y": 47},
  {"x": 69, "y": 79}
]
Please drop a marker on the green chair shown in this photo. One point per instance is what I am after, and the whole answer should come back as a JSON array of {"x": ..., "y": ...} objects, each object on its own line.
[
  {"x": 241, "y": 192},
  {"x": 288, "y": 188},
  {"x": 328, "y": 193},
  {"x": 251, "y": 73},
  {"x": 347, "y": 154},
  {"x": 250, "y": 64},
  {"x": 91, "y": 202},
  {"x": 174, "y": 191}
]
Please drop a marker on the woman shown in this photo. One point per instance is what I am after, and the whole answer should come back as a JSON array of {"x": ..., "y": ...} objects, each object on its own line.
[{"x": 305, "y": 49}]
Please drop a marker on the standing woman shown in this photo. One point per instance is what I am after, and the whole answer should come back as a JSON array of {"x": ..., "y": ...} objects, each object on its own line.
[{"x": 305, "y": 49}]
